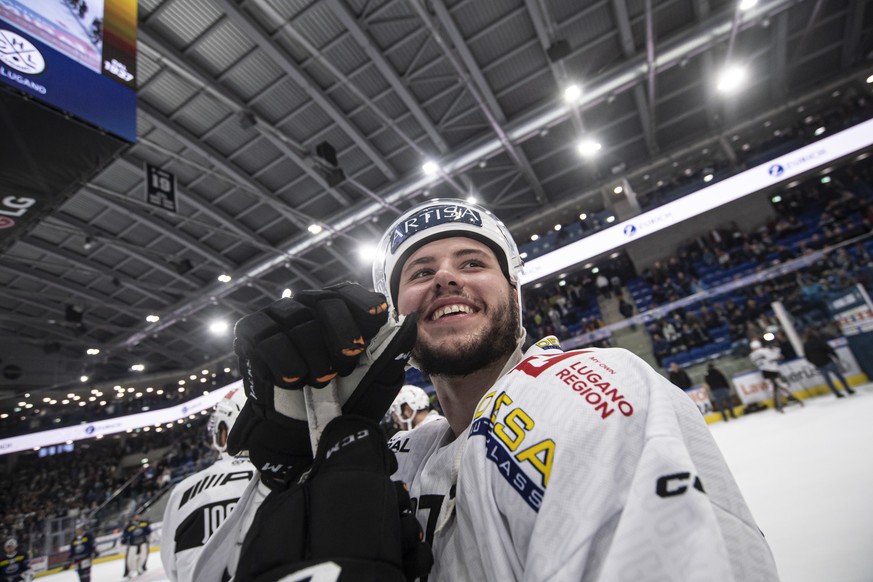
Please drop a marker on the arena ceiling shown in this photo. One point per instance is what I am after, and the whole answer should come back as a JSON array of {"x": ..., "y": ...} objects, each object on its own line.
[{"x": 235, "y": 98}]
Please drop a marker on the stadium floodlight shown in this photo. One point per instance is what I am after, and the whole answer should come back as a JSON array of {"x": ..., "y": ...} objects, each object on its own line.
[
  {"x": 225, "y": 278},
  {"x": 367, "y": 252},
  {"x": 152, "y": 318},
  {"x": 557, "y": 227},
  {"x": 286, "y": 293},
  {"x": 534, "y": 237},
  {"x": 819, "y": 130},
  {"x": 610, "y": 219},
  {"x": 219, "y": 327},
  {"x": 707, "y": 178},
  {"x": 83, "y": 378},
  {"x": 314, "y": 228},
  {"x": 137, "y": 368},
  {"x": 583, "y": 216},
  {"x": 472, "y": 199},
  {"x": 731, "y": 79},
  {"x": 572, "y": 93},
  {"x": 747, "y": 4},
  {"x": 92, "y": 351},
  {"x": 870, "y": 79},
  {"x": 430, "y": 168},
  {"x": 588, "y": 147},
  {"x": 617, "y": 190}
]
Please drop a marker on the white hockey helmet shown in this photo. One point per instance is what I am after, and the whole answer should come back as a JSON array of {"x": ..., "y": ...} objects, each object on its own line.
[
  {"x": 755, "y": 345},
  {"x": 11, "y": 545},
  {"x": 433, "y": 220},
  {"x": 226, "y": 412},
  {"x": 414, "y": 397}
]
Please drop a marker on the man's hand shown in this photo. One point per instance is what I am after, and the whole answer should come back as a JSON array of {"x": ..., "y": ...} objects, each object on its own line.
[
  {"x": 341, "y": 334},
  {"x": 345, "y": 517},
  {"x": 308, "y": 340}
]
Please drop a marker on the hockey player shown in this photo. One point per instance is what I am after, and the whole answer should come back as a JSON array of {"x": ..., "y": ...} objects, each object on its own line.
[
  {"x": 767, "y": 361},
  {"x": 550, "y": 465},
  {"x": 15, "y": 565},
  {"x": 411, "y": 408},
  {"x": 82, "y": 550},
  {"x": 200, "y": 503},
  {"x": 136, "y": 537}
]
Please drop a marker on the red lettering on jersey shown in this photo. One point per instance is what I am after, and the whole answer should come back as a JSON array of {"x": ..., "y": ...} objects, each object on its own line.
[{"x": 535, "y": 365}]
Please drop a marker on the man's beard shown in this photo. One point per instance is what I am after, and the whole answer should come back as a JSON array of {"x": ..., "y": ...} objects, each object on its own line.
[{"x": 462, "y": 358}]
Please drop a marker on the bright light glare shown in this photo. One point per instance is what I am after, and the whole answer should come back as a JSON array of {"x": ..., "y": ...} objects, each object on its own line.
[
  {"x": 870, "y": 79},
  {"x": 776, "y": 199},
  {"x": 137, "y": 368},
  {"x": 588, "y": 147},
  {"x": 83, "y": 378},
  {"x": 819, "y": 131},
  {"x": 225, "y": 278},
  {"x": 286, "y": 293},
  {"x": 557, "y": 227},
  {"x": 314, "y": 228},
  {"x": 731, "y": 79},
  {"x": 367, "y": 252},
  {"x": 152, "y": 318},
  {"x": 430, "y": 168},
  {"x": 610, "y": 219},
  {"x": 826, "y": 180},
  {"x": 218, "y": 327},
  {"x": 768, "y": 337},
  {"x": 572, "y": 93},
  {"x": 534, "y": 237},
  {"x": 617, "y": 190},
  {"x": 92, "y": 351},
  {"x": 472, "y": 199},
  {"x": 583, "y": 216},
  {"x": 707, "y": 178},
  {"x": 746, "y": 4}
]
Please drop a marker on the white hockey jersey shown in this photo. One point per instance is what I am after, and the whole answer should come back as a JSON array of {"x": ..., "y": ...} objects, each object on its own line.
[
  {"x": 197, "y": 506},
  {"x": 580, "y": 466},
  {"x": 766, "y": 359}
]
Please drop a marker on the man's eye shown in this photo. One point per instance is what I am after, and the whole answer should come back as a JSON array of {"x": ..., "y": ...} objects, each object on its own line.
[
  {"x": 420, "y": 273},
  {"x": 474, "y": 263}
]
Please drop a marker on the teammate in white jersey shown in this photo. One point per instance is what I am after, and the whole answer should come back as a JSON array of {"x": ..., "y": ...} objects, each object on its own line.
[
  {"x": 201, "y": 502},
  {"x": 767, "y": 359},
  {"x": 578, "y": 466},
  {"x": 411, "y": 408}
]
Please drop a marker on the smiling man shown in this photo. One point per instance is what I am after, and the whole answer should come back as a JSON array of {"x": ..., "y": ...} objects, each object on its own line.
[{"x": 549, "y": 465}]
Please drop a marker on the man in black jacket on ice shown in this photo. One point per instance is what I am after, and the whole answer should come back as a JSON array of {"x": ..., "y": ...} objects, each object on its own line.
[{"x": 821, "y": 355}]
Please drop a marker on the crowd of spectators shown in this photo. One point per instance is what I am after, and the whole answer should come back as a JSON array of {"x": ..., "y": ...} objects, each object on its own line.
[
  {"x": 814, "y": 216},
  {"x": 94, "y": 479}
]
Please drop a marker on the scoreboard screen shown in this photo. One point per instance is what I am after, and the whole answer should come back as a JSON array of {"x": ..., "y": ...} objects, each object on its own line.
[{"x": 76, "y": 55}]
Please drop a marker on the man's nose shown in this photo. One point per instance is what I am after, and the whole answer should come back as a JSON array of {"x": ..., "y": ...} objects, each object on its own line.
[{"x": 446, "y": 276}]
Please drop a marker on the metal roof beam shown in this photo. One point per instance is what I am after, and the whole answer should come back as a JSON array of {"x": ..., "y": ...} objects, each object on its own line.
[
  {"x": 852, "y": 32},
  {"x": 363, "y": 38},
  {"x": 471, "y": 76},
  {"x": 293, "y": 150},
  {"x": 82, "y": 264},
  {"x": 120, "y": 205},
  {"x": 645, "y": 109},
  {"x": 779, "y": 58},
  {"x": 71, "y": 223},
  {"x": 252, "y": 30}
]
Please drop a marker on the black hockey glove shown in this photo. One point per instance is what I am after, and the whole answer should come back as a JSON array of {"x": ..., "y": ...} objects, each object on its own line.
[
  {"x": 341, "y": 334},
  {"x": 345, "y": 517}
]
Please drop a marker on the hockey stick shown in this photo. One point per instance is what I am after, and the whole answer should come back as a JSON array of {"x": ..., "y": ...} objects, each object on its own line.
[{"x": 322, "y": 406}]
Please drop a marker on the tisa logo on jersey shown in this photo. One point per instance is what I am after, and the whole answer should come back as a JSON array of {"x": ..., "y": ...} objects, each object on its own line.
[{"x": 430, "y": 217}]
